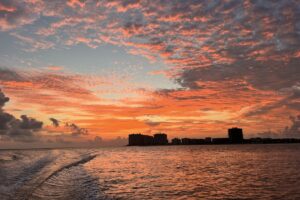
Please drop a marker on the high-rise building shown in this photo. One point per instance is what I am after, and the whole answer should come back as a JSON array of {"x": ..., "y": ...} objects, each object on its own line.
[
  {"x": 160, "y": 139},
  {"x": 235, "y": 135},
  {"x": 139, "y": 140}
]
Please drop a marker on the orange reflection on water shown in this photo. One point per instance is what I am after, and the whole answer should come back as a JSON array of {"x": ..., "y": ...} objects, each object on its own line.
[{"x": 193, "y": 172}]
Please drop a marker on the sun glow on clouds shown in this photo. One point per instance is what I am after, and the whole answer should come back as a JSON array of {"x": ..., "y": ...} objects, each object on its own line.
[{"x": 203, "y": 65}]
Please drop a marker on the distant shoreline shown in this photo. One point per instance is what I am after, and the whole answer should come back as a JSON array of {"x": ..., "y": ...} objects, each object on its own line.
[
  {"x": 235, "y": 144},
  {"x": 235, "y": 136}
]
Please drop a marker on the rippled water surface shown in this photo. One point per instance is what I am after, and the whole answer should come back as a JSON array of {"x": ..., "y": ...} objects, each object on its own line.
[{"x": 167, "y": 172}]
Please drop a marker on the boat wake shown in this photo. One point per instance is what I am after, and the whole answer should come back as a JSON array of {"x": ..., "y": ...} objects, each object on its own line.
[
  {"x": 23, "y": 177},
  {"x": 76, "y": 163}
]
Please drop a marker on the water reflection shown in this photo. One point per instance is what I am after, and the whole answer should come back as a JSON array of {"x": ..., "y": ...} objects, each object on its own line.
[
  {"x": 192, "y": 172},
  {"x": 167, "y": 172}
]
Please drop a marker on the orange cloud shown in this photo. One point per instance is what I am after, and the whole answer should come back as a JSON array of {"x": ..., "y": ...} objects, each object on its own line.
[{"x": 55, "y": 68}]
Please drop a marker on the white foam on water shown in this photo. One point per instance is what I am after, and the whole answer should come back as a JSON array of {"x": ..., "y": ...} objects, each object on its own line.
[{"x": 23, "y": 172}]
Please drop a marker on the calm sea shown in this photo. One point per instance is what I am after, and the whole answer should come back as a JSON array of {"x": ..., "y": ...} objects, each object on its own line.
[{"x": 166, "y": 172}]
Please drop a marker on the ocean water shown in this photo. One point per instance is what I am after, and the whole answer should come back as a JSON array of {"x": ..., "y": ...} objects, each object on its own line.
[{"x": 161, "y": 172}]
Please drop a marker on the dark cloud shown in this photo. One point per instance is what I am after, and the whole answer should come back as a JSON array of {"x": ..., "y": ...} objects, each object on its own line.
[
  {"x": 3, "y": 100},
  {"x": 9, "y": 75},
  {"x": 76, "y": 130},
  {"x": 55, "y": 122},
  {"x": 267, "y": 75},
  {"x": 22, "y": 129},
  {"x": 30, "y": 123},
  {"x": 5, "y": 119}
]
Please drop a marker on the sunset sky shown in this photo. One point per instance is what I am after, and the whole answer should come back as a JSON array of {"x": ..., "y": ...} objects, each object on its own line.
[{"x": 103, "y": 69}]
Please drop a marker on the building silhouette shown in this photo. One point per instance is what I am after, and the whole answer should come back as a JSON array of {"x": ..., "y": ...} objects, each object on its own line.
[
  {"x": 176, "y": 141},
  {"x": 220, "y": 141},
  {"x": 160, "y": 139},
  {"x": 235, "y": 135},
  {"x": 207, "y": 140},
  {"x": 191, "y": 141},
  {"x": 140, "y": 140},
  {"x": 185, "y": 141}
]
